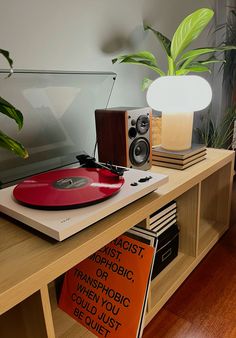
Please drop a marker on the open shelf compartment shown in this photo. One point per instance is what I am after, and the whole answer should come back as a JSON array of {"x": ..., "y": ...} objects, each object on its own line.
[
  {"x": 64, "y": 325},
  {"x": 27, "y": 317},
  {"x": 214, "y": 210},
  {"x": 166, "y": 283}
]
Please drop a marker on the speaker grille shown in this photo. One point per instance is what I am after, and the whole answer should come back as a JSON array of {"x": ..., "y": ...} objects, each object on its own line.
[{"x": 139, "y": 151}]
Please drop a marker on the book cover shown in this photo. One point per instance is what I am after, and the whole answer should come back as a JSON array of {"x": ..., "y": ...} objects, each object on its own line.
[
  {"x": 196, "y": 148},
  {"x": 149, "y": 237},
  {"x": 101, "y": 292}
]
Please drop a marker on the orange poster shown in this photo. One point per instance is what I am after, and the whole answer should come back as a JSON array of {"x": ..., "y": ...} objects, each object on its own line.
[{"x": 106, "y": 292}]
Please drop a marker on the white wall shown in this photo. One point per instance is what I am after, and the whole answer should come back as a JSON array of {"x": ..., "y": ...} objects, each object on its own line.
[{"x": 87, "y": 34}]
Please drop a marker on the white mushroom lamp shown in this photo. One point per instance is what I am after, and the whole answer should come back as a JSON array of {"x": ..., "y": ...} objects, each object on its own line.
[{"x": 178, "y": 97}]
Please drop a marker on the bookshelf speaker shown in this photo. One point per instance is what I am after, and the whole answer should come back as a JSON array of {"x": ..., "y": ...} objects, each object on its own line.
[{"x": 124, "y": 136}]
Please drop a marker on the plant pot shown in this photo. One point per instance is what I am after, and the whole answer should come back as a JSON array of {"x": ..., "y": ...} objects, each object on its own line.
[{"x": 176, "y": 133}]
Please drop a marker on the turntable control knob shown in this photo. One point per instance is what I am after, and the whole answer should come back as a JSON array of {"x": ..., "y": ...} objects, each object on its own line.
[{"x": 144, "y": 179}]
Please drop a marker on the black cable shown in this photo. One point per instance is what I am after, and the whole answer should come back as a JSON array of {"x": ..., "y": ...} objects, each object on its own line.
[{"x": 96, "y": 143}]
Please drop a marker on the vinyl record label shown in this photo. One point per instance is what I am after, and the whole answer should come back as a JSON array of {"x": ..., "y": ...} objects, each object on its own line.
[{"x": 67, "y": 188}]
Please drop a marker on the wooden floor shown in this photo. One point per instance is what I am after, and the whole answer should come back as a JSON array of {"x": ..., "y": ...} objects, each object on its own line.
[{"x": 205, "y": 305}]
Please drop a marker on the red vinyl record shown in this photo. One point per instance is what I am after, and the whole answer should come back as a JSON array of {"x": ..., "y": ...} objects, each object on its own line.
[{"x": 66, "y": 188}]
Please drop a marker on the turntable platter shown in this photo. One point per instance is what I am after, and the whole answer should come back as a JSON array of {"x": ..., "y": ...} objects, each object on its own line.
[{"x": 68, "y": 188}]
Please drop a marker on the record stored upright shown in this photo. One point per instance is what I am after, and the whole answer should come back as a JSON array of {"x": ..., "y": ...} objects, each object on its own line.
[{"x": 30, "y": 263}]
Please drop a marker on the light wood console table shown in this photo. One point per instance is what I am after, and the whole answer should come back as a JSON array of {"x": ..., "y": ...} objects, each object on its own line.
[{"x": 30, "y": 263}]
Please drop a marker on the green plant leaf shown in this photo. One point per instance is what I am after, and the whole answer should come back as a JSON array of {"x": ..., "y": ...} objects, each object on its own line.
[
  {"x": 8, "y": 109},
  {"x": 195, "y": 68},
  {"x": 199, "y": 63},
  {"x": 11, "y": 144},
  {"x": 139, "y": 61},
  {"x": 164, "y": 41},
  {"x": 191, "y": 55},
  {"x": 209, "y": 61},
  {"x": 189, "y": 29},
  {"x": 143, "y": 55},
  {"x": 146, "y": 83},
  {"x": 6, "y": 54}
]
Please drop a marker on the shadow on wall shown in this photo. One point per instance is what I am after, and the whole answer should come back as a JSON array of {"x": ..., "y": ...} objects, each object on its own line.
[
  {"x": 119, "y": 42},
  {"x": 159, "y": 18}
]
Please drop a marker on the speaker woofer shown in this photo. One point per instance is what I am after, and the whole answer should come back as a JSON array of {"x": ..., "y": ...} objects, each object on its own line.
[
  {"x": 139, "y": 151},
  {"x": 143, "y": 124}
]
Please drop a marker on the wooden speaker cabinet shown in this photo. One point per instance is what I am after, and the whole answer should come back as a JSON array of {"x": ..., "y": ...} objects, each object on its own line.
[{"x": 124, "y": 136}]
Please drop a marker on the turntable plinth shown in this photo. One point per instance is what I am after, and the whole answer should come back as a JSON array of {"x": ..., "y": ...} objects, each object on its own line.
[{"x": 30, "y": 263}]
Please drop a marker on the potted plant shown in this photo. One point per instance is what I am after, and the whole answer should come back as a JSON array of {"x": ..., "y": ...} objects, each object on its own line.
[
  {"x": 180, "y": 63},
  {"x": 220, "y": 134},
  {"x": 9, "y": 110},
  {"x": 229, "y": 67},
  {"x": 217, "y": 135}
]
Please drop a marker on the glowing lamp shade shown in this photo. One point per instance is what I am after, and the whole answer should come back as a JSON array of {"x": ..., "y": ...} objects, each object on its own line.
[{"x": 177, "y": 97}]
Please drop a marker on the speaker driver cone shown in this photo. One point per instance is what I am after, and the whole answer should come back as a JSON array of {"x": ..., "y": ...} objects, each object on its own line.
[
  {"x": 139, "y": 151},
  {"x": 142, "y": 124}
]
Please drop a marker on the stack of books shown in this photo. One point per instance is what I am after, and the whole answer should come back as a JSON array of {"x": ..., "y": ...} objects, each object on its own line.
[
  {"x": 163, "y": 218},
  {"x": 163, "y": 227},
  {"x": 178, "y": 159},
  {"x": 164, "y": 223}
]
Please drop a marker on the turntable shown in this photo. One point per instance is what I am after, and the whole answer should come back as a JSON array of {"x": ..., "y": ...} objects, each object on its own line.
[{"x": 63, "y": 202}]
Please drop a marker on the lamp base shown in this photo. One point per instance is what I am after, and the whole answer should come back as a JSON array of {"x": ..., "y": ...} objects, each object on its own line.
[
  {"x": 176, "y": 133},
  {"x": 178, "y": 159}
]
